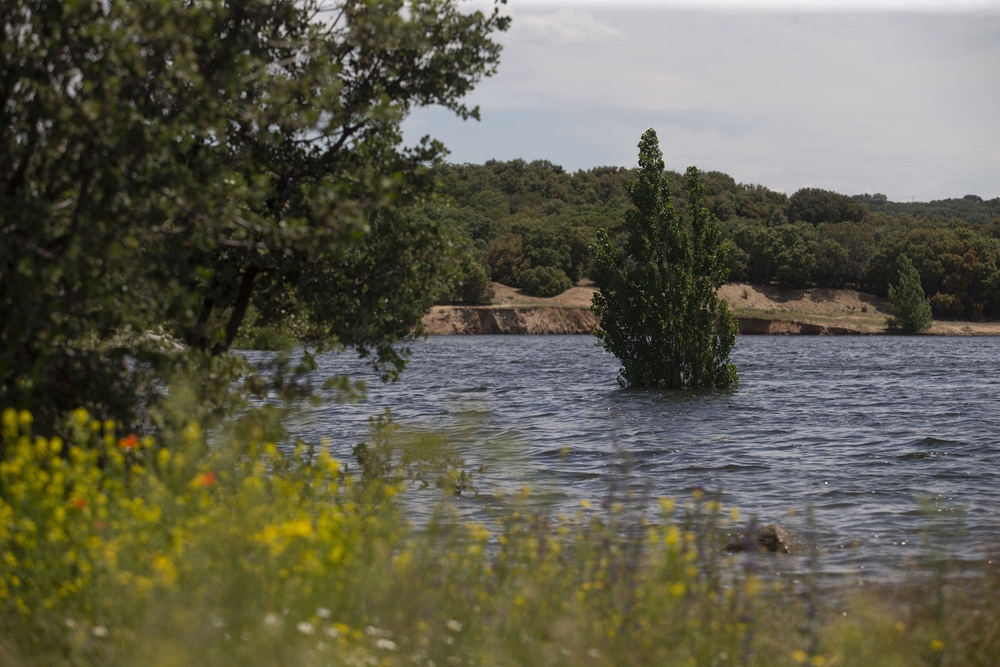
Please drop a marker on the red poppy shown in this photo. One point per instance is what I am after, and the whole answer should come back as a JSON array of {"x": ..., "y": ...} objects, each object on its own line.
[
  {"x": 80, "y": 503},
  {"x": 129, "y": 442},
  {"x": 205, "y": 480}
]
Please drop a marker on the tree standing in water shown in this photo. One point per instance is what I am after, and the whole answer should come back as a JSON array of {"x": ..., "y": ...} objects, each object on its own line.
[{"x": 658, "y": 302}]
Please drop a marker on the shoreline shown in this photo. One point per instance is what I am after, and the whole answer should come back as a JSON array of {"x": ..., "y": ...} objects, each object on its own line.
[{"x": 760, "y": 310}]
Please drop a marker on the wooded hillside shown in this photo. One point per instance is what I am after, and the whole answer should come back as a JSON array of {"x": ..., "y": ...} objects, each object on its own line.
[{"x": 528, "y": 224}]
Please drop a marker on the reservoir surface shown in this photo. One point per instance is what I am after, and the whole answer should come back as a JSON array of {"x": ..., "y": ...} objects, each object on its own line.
[{"x": 859, "y": 429}]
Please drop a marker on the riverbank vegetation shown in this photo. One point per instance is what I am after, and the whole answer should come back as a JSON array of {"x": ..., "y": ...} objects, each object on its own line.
[
  {"x": 121, "y": 549},
  {"x": 521, "y": 215}
]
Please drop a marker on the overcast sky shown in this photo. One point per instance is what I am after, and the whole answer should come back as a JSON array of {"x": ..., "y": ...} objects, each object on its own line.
[{"x": 903, "y": 99}]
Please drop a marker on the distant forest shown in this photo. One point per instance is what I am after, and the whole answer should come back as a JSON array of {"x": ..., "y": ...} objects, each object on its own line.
[{"x": 528, "y": 224}]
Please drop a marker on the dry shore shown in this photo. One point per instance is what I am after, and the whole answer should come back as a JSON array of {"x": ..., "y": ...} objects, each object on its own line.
[{"x": 760, "y": 310}]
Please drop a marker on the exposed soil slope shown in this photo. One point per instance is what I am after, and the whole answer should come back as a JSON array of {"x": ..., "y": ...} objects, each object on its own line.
[{"x": 760, "y": 309}]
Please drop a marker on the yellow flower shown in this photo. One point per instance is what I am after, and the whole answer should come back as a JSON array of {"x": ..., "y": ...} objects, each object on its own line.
[
  {"x": 800, "y": 656},
  {"x": 165, "y": 570},
  {"x": 10, "y": 421},
  {"x": 937, "y": 645}
]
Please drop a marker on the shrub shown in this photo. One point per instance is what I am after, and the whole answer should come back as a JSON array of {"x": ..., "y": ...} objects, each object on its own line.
[
  {"x": 473, "y": 287},
  {"x": 505, "y": 257},
  {"x": 544, "y": 281}
]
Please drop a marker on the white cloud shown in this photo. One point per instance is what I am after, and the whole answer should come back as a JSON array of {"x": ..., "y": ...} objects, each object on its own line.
[
  {"x": 564, "y": 27},
  {"x": 937, "y": 6},
  {"x": 897, "y": 103}
]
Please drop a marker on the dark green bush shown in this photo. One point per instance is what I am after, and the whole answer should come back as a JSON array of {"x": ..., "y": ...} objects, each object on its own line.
[
  {"x": 472, "y": 287},
  {"x": 544, "y": 281}
]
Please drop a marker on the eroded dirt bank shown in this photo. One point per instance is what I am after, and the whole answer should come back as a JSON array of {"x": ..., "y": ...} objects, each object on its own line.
[
  {"x": 447, "y": 320},
  {"x": 761, "y": 310}
]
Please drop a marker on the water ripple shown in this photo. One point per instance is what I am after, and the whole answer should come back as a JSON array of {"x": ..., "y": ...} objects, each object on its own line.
[{"x": 859, "y": 428}]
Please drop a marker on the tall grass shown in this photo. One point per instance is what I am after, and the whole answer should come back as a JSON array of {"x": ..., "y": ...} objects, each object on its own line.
[{"x": 124, "y": 550}]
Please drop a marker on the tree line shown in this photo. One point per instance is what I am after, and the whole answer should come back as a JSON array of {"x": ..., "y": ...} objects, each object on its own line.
[{"x": 526, "y": 220}]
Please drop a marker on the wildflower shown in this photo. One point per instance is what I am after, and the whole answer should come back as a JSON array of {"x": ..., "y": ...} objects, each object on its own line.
[
  {"x": 80, "y": 503},
  {"x": 306, "y": 628},
  {"x": 99, "y": 631},
  {"x": 205, "y": 480},
  {"x": 271, "y": 619},
  {"x": 800, "y": 656},
  {"x": 454, "y": 626},
  {"x": 386, "y": 644},
  {"x": 937, "y": 645},
  {"x": 323, "y": 612},
  {"x": 128, "y": 442}
]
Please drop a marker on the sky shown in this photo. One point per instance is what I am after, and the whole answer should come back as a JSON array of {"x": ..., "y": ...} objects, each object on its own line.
[{"x": 900, "y": 97}]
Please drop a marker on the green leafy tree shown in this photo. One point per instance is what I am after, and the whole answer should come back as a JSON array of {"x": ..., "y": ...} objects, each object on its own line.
[
  {"x": 658, "y": 303},
  {"x": 911, "y": 310},
  {"x": 172, "y": 164},
  {"x": 544, "y": 281}
]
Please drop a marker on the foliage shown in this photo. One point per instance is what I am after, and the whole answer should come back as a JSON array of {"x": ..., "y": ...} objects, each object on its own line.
[
  {"x": 815, "y": 238},
  {"x": 972, "y": 209},
  {"x": 958, "y": 267},
  {"x": 254, "y": 337},
  {"x": 121, "y": 549},
  {"x": 911, "y": 310},
  {"x": 660, "y": 314},
  {"x": 166, "y": 163},
  {"x": 814, "y": 206},
  {"x": 470, "y": 286},
  {"x": 521, "y": 215},
  {"x": 505, "y": 256},
  {"x": 544, "y": 281}
]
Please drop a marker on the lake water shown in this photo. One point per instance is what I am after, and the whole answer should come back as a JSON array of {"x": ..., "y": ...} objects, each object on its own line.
[{"x": 858, "y": 428}]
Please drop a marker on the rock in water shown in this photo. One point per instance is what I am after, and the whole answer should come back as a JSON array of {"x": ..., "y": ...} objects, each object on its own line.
[{"x": 771, "y": 538}]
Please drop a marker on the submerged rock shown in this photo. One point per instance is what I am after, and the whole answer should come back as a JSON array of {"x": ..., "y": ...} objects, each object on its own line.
[{"x": 771, "y": 538}]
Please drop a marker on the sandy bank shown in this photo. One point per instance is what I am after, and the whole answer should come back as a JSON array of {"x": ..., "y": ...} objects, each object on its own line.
[{"x": 761, "y": 310}]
